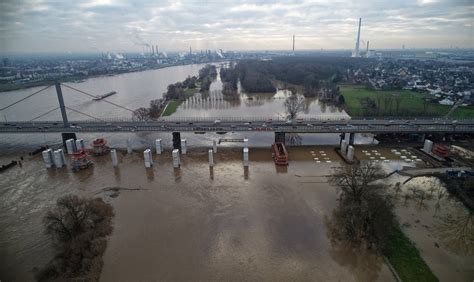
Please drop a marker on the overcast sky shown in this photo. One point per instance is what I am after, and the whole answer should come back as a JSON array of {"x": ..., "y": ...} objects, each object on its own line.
[{"x": 120, "y": 25}]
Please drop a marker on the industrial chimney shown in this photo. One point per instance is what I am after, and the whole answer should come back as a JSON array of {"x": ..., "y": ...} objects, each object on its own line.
[
  {"x": 293, "y": 43},
  {"x": 356, "y": 52},
  {"x": 367, "y": 51}
]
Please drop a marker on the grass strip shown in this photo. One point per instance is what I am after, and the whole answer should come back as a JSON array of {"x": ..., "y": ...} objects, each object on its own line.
[{"x": 406, "y": 259}]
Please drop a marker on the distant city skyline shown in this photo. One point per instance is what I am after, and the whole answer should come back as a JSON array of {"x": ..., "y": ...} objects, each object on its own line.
[{"x": 130, "y": 26}]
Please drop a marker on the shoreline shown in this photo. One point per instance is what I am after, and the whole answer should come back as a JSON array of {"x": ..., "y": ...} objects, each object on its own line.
[{"x": 73, "y": 79}]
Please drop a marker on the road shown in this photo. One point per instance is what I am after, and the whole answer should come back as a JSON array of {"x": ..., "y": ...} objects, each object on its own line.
[{"x": 313, "y": 125}]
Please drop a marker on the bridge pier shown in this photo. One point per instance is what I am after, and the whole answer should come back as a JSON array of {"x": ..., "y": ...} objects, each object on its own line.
[
  {"x": 177, "y": 140},
  {"x": 68, "y": 135},
  {"x": 280, "y": 137},
  {"x": 351, "y": 138},
  {"x": 422, "y": 137},
  {"x": 342, "y": 136}
]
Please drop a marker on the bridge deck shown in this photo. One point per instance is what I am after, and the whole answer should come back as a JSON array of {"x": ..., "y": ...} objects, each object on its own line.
[{"x": 234, "y": 125}]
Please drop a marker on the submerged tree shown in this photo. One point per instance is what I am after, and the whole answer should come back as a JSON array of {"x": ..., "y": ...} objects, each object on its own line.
[
  {"x": 141, "y": 114},
  {"x": 365, "y": 212},
  {"x": 293, "y": 105},
  {"x": 78, "y": 227}
]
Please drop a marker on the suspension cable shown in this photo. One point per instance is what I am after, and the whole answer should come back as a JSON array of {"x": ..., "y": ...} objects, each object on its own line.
[
  {"x": 79, "y": 112},
  {"x": 93, "y": 96},
  {"x": 42, "y": 115},
  {"x": 22, "y": 99}
]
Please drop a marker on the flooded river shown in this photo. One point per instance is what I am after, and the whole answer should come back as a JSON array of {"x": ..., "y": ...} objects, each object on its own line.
[
  {"x": 193, "y": 224},
  {"x": 135, "y": 90},
  {"x": 266, "y": 223}
]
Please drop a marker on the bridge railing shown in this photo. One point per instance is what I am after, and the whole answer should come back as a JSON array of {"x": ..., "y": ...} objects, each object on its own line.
[{"x": 252, "y": 119}]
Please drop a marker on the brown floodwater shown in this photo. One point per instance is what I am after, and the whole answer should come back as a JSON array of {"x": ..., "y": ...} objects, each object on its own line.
[{"x": 193, "y": 223}]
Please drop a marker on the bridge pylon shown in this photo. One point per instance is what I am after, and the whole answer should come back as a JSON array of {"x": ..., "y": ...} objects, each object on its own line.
[
  {"x": 280, "y": 137},
  {"x": 59, "y": 92}
]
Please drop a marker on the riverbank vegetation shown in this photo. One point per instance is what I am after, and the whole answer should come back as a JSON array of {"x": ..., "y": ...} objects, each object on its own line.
[
  {"x": 174, "y": 96},
  {"x": 78, "y": 228},
  {"x": 361, "y": 101},
  {"x": 406, "y": 259},
  {"x": 365, "y": 217},
  {"x": 206, "y": 75},
  {"x": 365, "y": 213},
  {"x": 230, "y": 79},
  {"x": 461, "y": 188},
  {"x": 318, "y": 77}
]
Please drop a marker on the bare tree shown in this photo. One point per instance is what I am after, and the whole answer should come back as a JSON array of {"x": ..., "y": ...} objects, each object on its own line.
[
  {"x": 141, "y": 114},
  {"x": 365, "y": 213},
  {"x": 357, "y": 181},
  {"x": 155, "y": 108},
  {"x": 294, "y": 104},
  {"x": 456, "y": 231},
  {"x": 78, "y": 227}
]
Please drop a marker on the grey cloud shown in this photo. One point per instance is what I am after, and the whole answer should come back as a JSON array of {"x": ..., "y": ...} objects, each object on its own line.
[{"x": 48, "y": 25}]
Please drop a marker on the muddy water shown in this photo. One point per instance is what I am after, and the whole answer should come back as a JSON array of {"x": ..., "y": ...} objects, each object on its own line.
[
  {"x": 443, "y": 231},
  {"x": 264, "y": 223}
]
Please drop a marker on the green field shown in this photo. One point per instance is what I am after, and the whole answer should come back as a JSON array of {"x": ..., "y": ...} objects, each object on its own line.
[
  {"x": 412, "y": 104},
  {"x": 174, "y": 104},
  {"x": 406, "y": 259},
  {"x": 171, "y": 108}
]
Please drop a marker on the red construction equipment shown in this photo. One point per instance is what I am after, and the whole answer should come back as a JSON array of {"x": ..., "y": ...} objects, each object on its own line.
[
  {"x": 440, "y": 150},
  {"x": 280, "y": 155},
  {"x": 80, "y": 161},
  {"x": 99, "y": 147}
]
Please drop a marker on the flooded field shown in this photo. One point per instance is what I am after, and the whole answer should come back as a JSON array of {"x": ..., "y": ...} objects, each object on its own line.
[{"x": 440, "y": 226}]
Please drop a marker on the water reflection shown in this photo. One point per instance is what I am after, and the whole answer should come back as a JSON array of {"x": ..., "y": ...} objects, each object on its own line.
[
  {"x": 246, "y": 172},
  {"x": 293, "y": 139},
  {"x": 211, "y": 172},
  {"x": 364, "y": 263},
  {"x": 150, "y": 174},
  {"x": 456, "y": 230},
  {"x": 117, "y": 173},
  {"x": 214, "y": 103},
  {"x": 177, "y": 174}
]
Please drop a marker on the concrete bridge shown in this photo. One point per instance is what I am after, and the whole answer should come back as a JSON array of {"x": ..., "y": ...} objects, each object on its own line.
[
  {"x": 279, "y": 126},
  {"x": 304, "y": 125}
]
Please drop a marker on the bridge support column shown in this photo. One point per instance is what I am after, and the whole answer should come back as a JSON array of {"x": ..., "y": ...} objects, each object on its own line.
[
  {"x": 422, "y": 137},
  {"x": 61, "y": 104},
  {"x": 351, "y": 138},
  {"x": 280, "y": 137},
  {"x": 177, "y": 140},
  {"x": 68, "y": 135},
  {"x": 342, "y": 136}
]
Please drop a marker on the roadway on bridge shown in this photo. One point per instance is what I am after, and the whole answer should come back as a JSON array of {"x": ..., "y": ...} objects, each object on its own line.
[{"x": 242, "y": 125}]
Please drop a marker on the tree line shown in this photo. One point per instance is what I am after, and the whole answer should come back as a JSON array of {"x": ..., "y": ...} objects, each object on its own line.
[
  {"x": 206, "y": 75},
  {"x": 317, "y": 76}
]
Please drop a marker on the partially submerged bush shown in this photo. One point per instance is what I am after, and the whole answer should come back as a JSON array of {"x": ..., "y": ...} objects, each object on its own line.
[{"x": 78, "y": 227}]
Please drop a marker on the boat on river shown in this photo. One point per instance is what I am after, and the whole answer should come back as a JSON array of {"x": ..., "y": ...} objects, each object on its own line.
[
  {"x": 280, "y": 154},
  {"x": 100, "y": 97}
]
